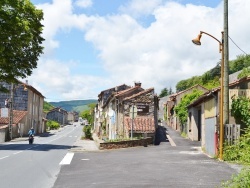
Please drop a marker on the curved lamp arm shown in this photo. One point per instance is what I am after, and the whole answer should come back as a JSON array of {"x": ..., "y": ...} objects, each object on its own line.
[{"x": 197, "y": 40}]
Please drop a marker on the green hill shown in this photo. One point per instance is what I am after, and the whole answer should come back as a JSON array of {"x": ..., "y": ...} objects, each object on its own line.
[{"x": 74, "y": 105}]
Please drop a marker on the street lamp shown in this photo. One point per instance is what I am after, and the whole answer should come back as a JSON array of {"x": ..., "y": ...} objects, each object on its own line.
[{"x": 221, "y": 50}]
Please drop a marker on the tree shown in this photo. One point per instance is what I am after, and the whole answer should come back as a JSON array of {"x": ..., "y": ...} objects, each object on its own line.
[
  {"x": 242, "y": 61},
  {"x": 164, "y": 92},
  {"x": 170, "y": 91},
  {"x": 20, "y": 38},
  {"x": 47, "y": 106},
  {"x": 89, "y": 114}
]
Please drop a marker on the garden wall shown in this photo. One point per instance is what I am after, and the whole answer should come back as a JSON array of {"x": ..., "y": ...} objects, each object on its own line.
[{"x": 126, "y": 143}]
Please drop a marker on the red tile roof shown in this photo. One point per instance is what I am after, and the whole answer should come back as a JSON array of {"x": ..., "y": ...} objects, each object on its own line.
[
  {"x": 141, "y": 124},
  {"x": 17, "y": 117},
  {"x": 140, "y": 93}
]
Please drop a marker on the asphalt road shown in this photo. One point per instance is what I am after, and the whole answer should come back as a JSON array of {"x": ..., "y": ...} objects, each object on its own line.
[
  {"x": 161, "y": 166},
  {"x": 37, "y": 165}
]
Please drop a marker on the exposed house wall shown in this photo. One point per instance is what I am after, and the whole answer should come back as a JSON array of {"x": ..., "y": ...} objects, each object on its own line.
[
  {"x": 28, "y": 99},
  {"x": 59, "y": 115},
  {"x": 174, "y": 100}
]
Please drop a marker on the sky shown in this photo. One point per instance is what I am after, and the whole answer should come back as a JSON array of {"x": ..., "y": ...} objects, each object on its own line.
[{"x": 94, "y": 45}]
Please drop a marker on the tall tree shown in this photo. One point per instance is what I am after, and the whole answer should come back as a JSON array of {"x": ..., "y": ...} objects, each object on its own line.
[
  {"x": 170, "y": 91},
  {"x": 20, "y": 38},
  {"x": 164, "y": 92}
]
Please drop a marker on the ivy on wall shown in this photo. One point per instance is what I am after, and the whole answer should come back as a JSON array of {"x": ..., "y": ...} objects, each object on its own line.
[
  {"x": 240, "y": 110},
  {"x": 181, "y": 109}
]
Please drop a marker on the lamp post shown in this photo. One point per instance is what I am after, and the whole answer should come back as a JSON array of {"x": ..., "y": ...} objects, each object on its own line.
[{"x": 221, "y": 50}]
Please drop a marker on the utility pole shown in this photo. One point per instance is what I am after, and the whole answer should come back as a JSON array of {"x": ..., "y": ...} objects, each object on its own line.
[
  {"x": 11, "y": 109},
  {"x": 226, "y": 65}
]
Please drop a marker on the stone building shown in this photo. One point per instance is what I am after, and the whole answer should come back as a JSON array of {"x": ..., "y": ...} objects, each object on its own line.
[
  {"x": 27, "y": 108},
  {"x": 59, "y": 115},
  {"x": 115, "y": 120}
]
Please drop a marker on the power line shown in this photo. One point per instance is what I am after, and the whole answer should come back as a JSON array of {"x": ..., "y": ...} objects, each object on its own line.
[{"x": 237, "y": 45}]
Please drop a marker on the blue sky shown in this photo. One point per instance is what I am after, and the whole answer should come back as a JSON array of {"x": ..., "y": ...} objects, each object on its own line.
[{"x": 93, "y": 45}]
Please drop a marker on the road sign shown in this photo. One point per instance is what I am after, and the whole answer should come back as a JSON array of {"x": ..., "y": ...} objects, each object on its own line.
[
  {"x": 142, "y": 109},
  {"x": 133, "y": 111}
]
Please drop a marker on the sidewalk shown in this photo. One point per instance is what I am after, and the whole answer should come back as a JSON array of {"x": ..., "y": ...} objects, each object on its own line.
[{"x": 86, "y": 145}]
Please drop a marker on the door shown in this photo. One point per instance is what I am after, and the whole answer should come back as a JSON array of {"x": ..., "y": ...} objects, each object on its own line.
[{"x": 199, "y": 125}]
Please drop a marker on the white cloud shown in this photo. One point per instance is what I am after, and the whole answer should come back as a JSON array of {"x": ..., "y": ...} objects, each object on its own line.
[
  {"x": 140, "y": 7},
  {"x": 56, "y": 82},
  {"x": 159, "y": 56},
  {"x": 84, "y": 3},
  {"x": 162, "y": 54}
]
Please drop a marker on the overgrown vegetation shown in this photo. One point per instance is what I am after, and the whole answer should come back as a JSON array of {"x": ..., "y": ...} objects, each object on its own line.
[
  {"x": 210, "y": 79},
  {"x": 240, "y": 151},
  {"x": 87, "y": 132},
  {"x": 181, "y": 109},
  {"x": 89, "y": 114},
  {"x": 242, "y": 180},
  {"x": 241, "y": 62},
  {"x": 51, "y": 125},
  {"x": 245, "y": 72},
  {"x": 240, "y": 111},
  {"x": 47, "y": 107}
]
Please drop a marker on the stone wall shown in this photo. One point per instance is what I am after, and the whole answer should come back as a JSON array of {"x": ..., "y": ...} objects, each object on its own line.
[{"x": 126, "y": 143}]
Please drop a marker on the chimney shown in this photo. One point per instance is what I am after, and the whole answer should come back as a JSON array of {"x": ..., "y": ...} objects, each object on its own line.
[{"x": 137, "y": 84}]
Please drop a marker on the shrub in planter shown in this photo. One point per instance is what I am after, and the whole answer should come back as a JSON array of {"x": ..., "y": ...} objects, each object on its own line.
[
  {"x": 87, "y": 132},
  {"x": 52, "y": 125}
]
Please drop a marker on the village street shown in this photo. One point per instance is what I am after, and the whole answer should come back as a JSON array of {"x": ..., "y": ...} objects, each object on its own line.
[
  {"x": 183, "y": 166},
  {"x": 23, "y": 165}
]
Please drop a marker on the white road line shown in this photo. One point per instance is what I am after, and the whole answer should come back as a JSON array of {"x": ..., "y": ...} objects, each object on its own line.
[
  {"x": 67, "y": 159},
  {"x": 4, "y": 157},
  {"x": 171, "y": 141},
  {"x": 17, "y": 152}
]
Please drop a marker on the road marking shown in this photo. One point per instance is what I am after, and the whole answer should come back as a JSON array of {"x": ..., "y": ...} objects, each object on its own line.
[
  {"x": 4, "y": 157},
  {"x": 85, "y": 159},
  {"x": 17, "y": 152},
  {"x": 171, "y": 141},
  {"x": 67, "y": 159}
]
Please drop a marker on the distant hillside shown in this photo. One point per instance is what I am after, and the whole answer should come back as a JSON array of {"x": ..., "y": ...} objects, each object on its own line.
[
  {"x": 47, "y": 107},
  {"x": 74, "y": 105}
]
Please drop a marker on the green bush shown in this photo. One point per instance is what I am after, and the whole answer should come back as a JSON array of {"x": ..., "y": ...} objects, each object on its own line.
[
  {"x": 87, "y": 132},
  {"x": 242, "y": 180},
  {"x": 52, "y": 125},
  {"x": 240, "y": 151}
]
